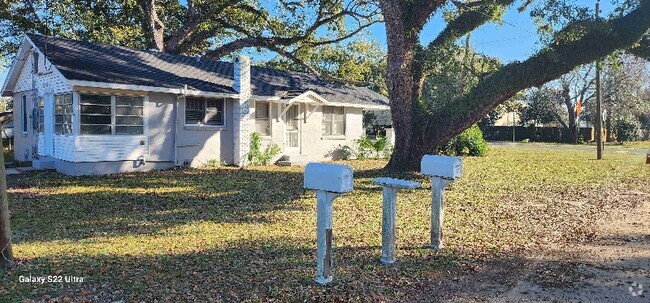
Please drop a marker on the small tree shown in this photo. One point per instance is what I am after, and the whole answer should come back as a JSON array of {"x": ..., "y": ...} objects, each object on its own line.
[
  {"x": 626, "y": 129},
  {"x": 257, "y": 156}
]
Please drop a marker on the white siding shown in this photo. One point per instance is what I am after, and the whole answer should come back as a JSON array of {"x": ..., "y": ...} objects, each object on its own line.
[
  {"x": 24, "y": 81},
  {"x": 41, "y": 145},
  {"x": 110, "y": 148},
  {"x": 64, "y": 147},
  {"x": 49, "y": 79},
  {"x": 100, "y": 148}
]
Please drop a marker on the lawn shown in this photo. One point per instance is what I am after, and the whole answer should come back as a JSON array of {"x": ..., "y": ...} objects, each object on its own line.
[{"x": 225, "y": 234}]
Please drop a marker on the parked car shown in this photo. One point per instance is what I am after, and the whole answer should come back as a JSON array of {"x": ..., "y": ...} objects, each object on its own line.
[{"x": 8, "y": 131}]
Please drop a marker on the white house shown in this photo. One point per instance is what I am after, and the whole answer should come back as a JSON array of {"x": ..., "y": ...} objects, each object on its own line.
[{"x": 84, "y": 108}]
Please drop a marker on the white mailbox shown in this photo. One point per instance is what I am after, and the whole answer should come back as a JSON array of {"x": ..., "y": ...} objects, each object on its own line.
[
  {"x": 333, "y": 178},
  {"x": 330, "y": 181},
  {"x": 442, "y": 170},
  {"x": 441, "y": 166}
]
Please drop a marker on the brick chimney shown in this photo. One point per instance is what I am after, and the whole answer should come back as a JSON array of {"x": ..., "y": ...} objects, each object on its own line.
[{"x": 241, "y": 109}]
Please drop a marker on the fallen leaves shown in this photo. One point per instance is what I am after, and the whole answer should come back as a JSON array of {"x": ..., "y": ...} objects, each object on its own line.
[{"x": 226, "y": 234}]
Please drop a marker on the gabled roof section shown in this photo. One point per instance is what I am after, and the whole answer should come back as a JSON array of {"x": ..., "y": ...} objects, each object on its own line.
[
  {"x": 16, "y": 67},
  {"x": 84, "y": 61}
]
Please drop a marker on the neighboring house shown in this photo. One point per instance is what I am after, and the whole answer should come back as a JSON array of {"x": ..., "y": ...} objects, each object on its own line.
[
  {"x": 85, "y": 108},
  {"x": 508, "y": 119}
]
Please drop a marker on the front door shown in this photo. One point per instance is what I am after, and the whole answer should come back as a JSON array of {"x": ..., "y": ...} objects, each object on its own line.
[
  {"x": 48, "y": 124},
  {"x": 292, "y": 128}
]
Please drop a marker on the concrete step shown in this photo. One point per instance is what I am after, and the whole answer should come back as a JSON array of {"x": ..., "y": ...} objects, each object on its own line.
[
  {"x": 43, "y": 163},
  {"x": 286, "y": 163},
  {"x": 292, "y": 160}
]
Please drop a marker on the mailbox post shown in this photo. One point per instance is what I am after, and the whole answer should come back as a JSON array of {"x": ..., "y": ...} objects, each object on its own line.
[
  {"x": 330, "y": 181},
  {"x": 391, "y": 187},
  {"x": 442, "y": 170}
]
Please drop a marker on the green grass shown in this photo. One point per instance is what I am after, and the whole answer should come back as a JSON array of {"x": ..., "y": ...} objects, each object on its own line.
[{"x": 249, "y": 235}]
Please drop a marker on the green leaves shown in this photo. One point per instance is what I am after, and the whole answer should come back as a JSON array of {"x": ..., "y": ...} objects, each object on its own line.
[{"x": 257, "y": 156}]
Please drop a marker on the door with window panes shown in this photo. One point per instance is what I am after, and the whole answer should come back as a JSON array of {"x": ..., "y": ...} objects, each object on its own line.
[{"x": 292, "y": 127}]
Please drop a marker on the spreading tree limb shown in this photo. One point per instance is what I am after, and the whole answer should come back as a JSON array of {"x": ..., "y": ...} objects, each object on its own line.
[{"x": 548, "y": 64}]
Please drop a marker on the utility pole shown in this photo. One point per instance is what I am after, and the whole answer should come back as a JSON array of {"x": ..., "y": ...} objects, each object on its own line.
[
  {"x": 513, "y": 127},
  {"x": 6, "y": 254},
  {"x": 599, "y": 110}
]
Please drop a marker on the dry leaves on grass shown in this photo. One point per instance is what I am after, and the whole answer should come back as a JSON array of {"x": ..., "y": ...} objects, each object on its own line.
[{"x": 225, "y": 234}]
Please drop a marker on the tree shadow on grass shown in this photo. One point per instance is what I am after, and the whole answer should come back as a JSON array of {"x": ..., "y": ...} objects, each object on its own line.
[
  {"x": 50, "y": 206},
  {"x": 283, "y": 269}
]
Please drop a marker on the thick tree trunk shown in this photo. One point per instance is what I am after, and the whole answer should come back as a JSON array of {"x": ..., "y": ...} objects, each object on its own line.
[
  {"x": 400, "y": 84},
  {"x": 573, "y": 127},
  {"x": 419, "y": 132}
]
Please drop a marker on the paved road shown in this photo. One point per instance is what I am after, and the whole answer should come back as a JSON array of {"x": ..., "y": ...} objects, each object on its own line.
[{"x": 609, "y": 149}]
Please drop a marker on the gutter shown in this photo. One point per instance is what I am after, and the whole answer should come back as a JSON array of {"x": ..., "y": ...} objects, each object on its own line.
[{"x": 182, "y": 95}]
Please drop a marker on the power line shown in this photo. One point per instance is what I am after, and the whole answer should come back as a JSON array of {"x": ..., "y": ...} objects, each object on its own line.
[{"x": 507, "y": 39}]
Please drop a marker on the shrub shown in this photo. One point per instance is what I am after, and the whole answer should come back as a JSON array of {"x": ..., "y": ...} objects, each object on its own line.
[
  {"x": 212, "y": 163},
  {"x": 469, "y": 143},
  {"x": 345, "y": 152},
  {"x": 627, "y": 129},
  {"x": 258, "y": 157},
  {"x": 379, "y": 147}
]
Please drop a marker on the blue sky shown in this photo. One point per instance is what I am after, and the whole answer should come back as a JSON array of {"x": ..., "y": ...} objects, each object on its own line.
[{"x": 515, "y": 39}]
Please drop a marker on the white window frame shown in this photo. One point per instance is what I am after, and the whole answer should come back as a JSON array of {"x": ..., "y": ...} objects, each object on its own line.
[
  {"x": 113, "y": 114},
  {"x": 205, "y": 110},
  {"x": 268, "y": 118},
  {"x": 332, "y": 122},
  {"x": 64, "y": 114},
  {"x": 24, "y": 115},
  {"x": 41, "y": 116}
]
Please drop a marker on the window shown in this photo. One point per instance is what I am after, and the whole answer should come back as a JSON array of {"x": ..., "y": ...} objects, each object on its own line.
[
  {"x": 111, "y": 115},
  {"x": 293, "y": 117},
  {"x": 201, "y": 111},
  {"x": 63, "y": 114},
  {"x": 41, "y": 114},
  {"x": 333, "y": 121},
  {"x": 262, "y": 118},
  {"x": 35, "y": 62},
  {"x": 23, "y": 108}
]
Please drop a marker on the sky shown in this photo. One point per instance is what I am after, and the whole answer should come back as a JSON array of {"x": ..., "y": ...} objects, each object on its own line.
[{"x": 515, "y": 39}]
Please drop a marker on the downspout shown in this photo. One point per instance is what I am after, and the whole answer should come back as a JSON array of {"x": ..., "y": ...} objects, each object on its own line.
[{"x": 182, "y": 95}]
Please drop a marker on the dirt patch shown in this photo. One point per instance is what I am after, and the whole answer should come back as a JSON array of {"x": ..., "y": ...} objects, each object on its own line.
[{"x": 612, "y": 267}]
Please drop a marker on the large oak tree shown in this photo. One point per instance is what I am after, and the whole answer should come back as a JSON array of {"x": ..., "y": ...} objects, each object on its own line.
[
  {"x": 421, "y": 128},
  {"x": 214, "y": 28}
]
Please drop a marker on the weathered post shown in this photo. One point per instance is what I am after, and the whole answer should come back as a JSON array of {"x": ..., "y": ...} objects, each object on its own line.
[
  {"x": 330, "y": 181},
  {"x": 6, "y": 254},
  {"x": 391, "y": 187},
  {"x": 442, "y": 170}
]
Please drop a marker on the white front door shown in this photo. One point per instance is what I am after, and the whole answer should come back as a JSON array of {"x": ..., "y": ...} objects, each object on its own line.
[
  {"x": 292, "y": 128},
  {"x": 48, "y": 125}
]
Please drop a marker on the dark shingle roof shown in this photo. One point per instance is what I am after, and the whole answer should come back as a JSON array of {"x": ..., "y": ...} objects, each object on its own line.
[{"x": 86, "y": 61}]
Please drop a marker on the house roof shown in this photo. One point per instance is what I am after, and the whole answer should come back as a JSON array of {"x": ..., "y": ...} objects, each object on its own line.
[{"x": 85, "y": 61}]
